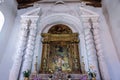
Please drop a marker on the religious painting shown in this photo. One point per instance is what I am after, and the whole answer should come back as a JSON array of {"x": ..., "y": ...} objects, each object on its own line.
[{"x": 59, "y": 57}]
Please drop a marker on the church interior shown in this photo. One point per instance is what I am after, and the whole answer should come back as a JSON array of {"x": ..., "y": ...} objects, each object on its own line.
[{"x": 59, "y": 40}]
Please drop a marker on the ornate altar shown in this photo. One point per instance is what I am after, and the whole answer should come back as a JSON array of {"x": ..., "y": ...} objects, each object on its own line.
[
  {"x": 59, "y": 76},
  {"x": 60, "y": 54},
  {"x": 60, "y": 50}
]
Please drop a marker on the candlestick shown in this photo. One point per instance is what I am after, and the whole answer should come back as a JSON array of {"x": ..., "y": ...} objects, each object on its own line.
[{"x": 36, "y": 65}]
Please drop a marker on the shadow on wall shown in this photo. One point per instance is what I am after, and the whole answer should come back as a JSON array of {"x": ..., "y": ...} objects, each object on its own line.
[{"x": 111, "y": 10}]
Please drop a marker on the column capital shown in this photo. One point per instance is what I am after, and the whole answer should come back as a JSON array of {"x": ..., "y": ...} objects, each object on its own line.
[
  {"x": 34, "y": 20},
  {"x": 33, "y": 24},
  {"x": 25, "y": 21},
  {"x": 87, "y": 23},
  {"x": 95, "y": 22},
  {"x": 95, "y": 19}
]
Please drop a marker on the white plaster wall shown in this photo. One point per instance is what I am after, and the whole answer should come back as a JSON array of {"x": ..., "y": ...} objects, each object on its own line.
[
  {"x": 7, "y": 37},
  {"x": 112, "y": 12},
  {"x": 8, "y": 8}
]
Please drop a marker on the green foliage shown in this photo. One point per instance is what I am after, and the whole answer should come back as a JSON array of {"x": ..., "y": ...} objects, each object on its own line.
[
  {"x": 92, "y": 74},
  {"x": 26, "y": 73}
]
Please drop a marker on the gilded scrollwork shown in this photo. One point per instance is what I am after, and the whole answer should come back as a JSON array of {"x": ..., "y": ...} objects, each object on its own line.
[
  {"x": 48, "y": 37},
  {"x": 60, "y": 29}
]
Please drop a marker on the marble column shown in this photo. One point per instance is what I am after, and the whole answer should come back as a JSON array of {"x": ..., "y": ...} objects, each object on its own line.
[
  {"x": 14, "y": 72},
  {"x": 90, "y": 47},
  {"x": 28, "y": 57},
  {"x": 102, "y": 64}
]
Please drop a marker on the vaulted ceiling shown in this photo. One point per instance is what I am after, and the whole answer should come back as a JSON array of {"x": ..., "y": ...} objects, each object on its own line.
[{"x": 28, "y": 3}]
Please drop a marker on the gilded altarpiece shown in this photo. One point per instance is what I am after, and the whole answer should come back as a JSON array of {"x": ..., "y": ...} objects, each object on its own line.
[{"x": 60, "y": 52}]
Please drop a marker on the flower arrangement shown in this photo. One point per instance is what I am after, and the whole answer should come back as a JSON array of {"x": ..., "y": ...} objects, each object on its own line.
[
  {"x": 92, "y": 71},
  {"x": 26, "y": 73},
  {"x": 92, "y": 74}
]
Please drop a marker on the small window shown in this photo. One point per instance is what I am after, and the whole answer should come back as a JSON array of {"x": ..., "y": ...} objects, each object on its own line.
[{"x": 1, "y": 20}]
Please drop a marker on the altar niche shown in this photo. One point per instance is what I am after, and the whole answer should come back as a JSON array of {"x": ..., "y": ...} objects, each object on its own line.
[{"x": 60, "y": 51}]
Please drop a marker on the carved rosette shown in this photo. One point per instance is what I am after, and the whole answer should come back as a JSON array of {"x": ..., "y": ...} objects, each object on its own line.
[
  {"x": 20, "y": 50},
  {"x": 103, "y": 67},
  {"x": 90, "y": 47}
]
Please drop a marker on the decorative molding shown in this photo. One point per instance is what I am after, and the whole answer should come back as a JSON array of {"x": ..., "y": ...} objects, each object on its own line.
[
  {"x": 72, "y": 37},
  {"x": 73, "y": 22}
]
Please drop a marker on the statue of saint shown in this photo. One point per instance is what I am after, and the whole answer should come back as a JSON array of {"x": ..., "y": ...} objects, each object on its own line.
[{"x": 60, "y": 62}]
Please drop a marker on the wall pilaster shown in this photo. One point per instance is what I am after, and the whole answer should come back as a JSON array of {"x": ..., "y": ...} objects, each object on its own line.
[
  {"x": 96, "y": 35},
  {"x": 28, "y": 57},
  {"x": 90, "y": 47}
]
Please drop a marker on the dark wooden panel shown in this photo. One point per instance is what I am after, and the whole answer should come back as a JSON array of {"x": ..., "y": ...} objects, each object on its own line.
[{"x": 28, "y": 3}]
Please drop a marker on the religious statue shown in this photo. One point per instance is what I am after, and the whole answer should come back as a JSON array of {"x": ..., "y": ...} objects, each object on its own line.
[{"x": 60, "y": 62}]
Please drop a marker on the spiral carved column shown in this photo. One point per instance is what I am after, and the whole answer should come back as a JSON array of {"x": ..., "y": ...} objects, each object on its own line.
[
  {"x": 90, "y": 47},
  {"x": 28, "y": 58},
  {"x": 30, "y": 47},
  {"x": 102, "y": 64},
  {"x": 14, "y": 73}
]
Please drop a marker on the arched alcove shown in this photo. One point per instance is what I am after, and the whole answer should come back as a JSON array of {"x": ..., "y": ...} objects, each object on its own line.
[
  {"x": 47, "y": 22},
  {"x": 60, "y": 50}
]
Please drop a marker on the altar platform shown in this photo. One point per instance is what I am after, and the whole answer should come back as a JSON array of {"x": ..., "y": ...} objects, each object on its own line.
[{"x": 61, "y": 76}]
